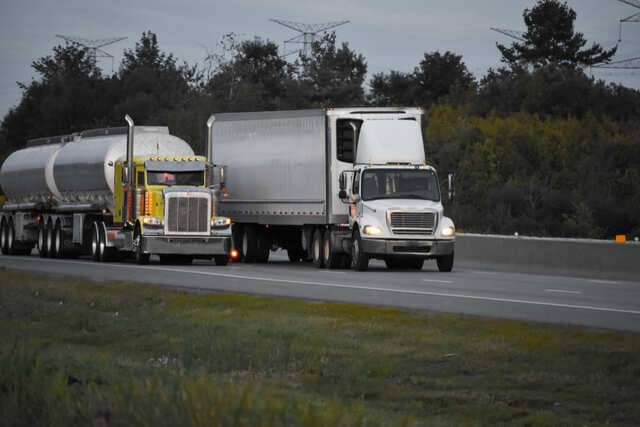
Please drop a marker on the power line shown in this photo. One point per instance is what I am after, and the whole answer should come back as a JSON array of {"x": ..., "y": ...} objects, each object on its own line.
[
  {"x": 514, "y": 34},
  {"x": 308, "y": 33}
]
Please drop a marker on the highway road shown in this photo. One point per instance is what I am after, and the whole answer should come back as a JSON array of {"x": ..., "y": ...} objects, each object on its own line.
[{"x": 471, "y": 290}]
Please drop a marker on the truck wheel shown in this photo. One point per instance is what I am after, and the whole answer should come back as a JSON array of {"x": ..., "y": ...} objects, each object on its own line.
[
  {"x": 359, "y": 260},
  {"x": 107, "y": 254},
  {"x": 3, "y": 237},
  {"x": 11, "y": 238},
  {"x": 249, "y": 246},
  {"x": 221, "y": 259},
  {"x": 140, "y": 256},
  {"x": 317, "y": 248},
  {"x": 445, "y": 262},
  {"x": 332, "y": 260},
  {"x": 57, "y": 240},
  {"x": 42, "y": 240},
  {"x": 263, "y": 240},
  {"x": 48, "y": 240},
  {"x": 95, "y": 242}
]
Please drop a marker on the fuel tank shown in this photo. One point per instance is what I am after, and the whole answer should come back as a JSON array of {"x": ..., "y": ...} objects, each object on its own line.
[{"x": 80, "y": 172}]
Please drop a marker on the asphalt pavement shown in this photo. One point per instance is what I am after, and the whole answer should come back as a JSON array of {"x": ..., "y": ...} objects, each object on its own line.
[{"x": 471, "y": 290}]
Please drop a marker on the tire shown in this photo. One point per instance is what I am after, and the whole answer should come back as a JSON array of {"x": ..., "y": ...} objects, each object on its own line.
[
  {"x": 263, "y": 246},
  {"x": 445, "y": 262},
  {"x": 140, "y": 257},
  {"x": 221, "y": 260},
  {"x": 42, "y": 240},
  {"x": 107, "y": 254},
  {"x": 317, "y": 248},
  {"x": 237, "y": 232},
  {"x": 11, "y": 238},
  {"x": 49, "y": 238},
  {"x": 359, "y": 260},
  {"x": 4, "y": 248},
  {"x": 249, "y": 244},
  {"x": 58, "y": 241},
  {"x": 95, "y": 242},
  {"x": 332, "y": 260}
]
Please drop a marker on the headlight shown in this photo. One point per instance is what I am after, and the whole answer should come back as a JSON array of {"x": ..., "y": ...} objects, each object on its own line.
[
  {"x": 372, "y": 230},
  {"x": 152, "y": 220},
  {"x": 448, "y": 231},
  {"x": 221, "y": 221}
]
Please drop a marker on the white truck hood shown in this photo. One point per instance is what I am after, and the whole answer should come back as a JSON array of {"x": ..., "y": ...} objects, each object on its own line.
[{"x": 403, "y": 205}]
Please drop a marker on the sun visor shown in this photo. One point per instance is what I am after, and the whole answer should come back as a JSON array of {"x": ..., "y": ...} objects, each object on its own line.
[{"x": 390, "y": 141}]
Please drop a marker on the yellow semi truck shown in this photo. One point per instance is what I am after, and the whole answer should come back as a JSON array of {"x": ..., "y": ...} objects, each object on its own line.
[{"x": 132, "y": 191}]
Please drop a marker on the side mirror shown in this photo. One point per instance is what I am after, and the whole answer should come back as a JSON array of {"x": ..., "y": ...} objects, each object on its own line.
[
  {"x": 342, "y": 183},
  {"x": 450, "y": 186}
]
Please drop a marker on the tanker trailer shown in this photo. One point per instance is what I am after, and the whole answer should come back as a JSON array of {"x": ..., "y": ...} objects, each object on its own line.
[{"x": 135, "y": 190}]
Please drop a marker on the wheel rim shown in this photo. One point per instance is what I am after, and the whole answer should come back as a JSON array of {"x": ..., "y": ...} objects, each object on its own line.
[
  {"x": 316, "y": 249},
  {"x": 94, "y": 242},
  {"x": 103, "y": 244},
  {"x": 58, "y": 241},
  {"x": 327, "y": 250},
  {"x": 10, "y": 237},
  {"x": 41, "y": 239},
  {"x": 49, "y": 240},
  {"x": 3, "y": 236},
  {"x": 245, "y": 243}
]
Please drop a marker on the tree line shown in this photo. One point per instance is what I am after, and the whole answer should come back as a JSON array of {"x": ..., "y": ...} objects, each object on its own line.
[{"x": 537, "y": 145}]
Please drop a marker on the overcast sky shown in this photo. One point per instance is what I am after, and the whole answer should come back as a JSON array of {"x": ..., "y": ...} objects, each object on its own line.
[{"x": 390, "y": 34}]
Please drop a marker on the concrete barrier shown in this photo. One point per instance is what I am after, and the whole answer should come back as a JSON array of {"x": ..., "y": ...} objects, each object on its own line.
[{"x": 574, "y": 257}]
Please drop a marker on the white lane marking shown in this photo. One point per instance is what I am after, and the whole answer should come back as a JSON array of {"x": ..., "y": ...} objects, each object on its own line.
[
  {"x": 563, "y": 291},
  {"x": 606, "y": 282},
  {"x": 437, "y": 281},
  {"x": 359, "y": 287},
  {"x": 483, "y": 272}
]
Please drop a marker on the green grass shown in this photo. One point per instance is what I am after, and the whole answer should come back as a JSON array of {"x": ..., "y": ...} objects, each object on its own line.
[{"x": 79, "y": 352}]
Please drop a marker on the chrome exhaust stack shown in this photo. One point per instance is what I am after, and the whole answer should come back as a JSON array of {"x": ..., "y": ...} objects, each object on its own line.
[{"x": 129, "y": 172}]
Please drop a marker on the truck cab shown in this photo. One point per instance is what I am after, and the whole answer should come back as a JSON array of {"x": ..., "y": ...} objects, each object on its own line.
[
  {"x": 395, "y": 206},
  {"x": 171, "y": 207}
]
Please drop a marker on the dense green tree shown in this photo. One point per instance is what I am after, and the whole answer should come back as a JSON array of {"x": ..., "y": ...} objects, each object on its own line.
[
  {"x": 437, "y": 77},
  {"x": 152, "y": 84},
  {"x": 332, "y": 76},
  {"x": 64, "y": 97},
  {"x": 551, "y": 39}
]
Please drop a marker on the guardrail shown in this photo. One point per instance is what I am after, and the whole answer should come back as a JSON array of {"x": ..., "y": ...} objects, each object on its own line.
[{"x": 542, "y": 255}]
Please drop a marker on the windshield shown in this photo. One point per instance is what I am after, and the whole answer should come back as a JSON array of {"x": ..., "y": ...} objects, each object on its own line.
[
  {"x": 400, "y": 184},
  {"x": 175, "y": 178}
]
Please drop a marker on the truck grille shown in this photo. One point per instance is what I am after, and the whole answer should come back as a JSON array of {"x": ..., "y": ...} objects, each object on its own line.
[
  {"x": 187, "y": 214},
  {"x": 412, "y": 222}
]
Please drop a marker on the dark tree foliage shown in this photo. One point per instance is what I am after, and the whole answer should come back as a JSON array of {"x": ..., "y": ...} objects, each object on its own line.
[
  {"x": 551, "y": 39},
  {"x": 61, "y": 100},
  {"x": 332, "y": 76},
  {"x": 151, "y": 83},
  {"x": 438, "y": 77}
]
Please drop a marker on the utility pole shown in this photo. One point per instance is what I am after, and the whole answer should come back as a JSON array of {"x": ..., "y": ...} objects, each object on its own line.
[
  {"x": 308, "y": 33},
  {"x": 93, "y": 47}
]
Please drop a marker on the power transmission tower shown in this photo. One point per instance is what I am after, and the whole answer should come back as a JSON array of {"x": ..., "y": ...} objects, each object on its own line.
[
  {"x": 514, "y": 34},
  {"x": 633, "y": 18},
  {"x": 308, "y": 33},
  {"x": 93, "y": 46}
]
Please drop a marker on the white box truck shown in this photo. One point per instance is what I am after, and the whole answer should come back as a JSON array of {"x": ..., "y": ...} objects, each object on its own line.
[{"x": 336, "y": 186}]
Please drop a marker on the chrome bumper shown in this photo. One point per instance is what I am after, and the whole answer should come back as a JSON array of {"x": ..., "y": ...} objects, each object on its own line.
[
  {"x": 186, "y": 245},
  {"x": 412, "y": 248}
]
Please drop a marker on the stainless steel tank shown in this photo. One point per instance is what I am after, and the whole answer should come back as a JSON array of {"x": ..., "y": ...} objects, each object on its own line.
[{"x": 80, "y": 172}]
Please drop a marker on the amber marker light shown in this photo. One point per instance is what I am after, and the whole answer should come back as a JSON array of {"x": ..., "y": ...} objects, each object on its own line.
[{"x": 234, "y": 254}]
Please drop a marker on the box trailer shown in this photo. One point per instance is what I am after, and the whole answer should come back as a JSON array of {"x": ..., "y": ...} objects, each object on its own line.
[{"x": 336, "y": 186}]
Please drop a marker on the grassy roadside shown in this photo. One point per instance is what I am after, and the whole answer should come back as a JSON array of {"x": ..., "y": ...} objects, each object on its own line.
[{"x": 78, "y": 352}]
